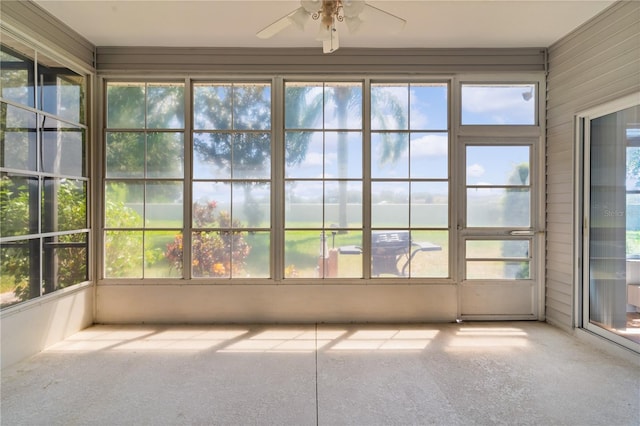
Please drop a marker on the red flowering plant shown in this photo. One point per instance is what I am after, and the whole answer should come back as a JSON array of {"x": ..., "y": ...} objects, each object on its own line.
[{"x": 219, "y": 253}]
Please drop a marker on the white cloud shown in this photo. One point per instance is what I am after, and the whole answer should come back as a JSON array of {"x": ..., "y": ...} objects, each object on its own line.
[
  {"x": 430, "y": 146},
  {"x": 475, "y": 170}
]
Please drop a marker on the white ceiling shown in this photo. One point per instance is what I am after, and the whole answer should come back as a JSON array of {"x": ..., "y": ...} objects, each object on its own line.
[{"x": 223, "y": 23}]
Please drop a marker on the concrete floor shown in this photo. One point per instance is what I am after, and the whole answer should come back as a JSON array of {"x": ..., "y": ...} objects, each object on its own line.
[{"x": 517, "y": 373}]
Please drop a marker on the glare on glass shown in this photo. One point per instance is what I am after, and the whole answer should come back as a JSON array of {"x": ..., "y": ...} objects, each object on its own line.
[
  {"x": 498, "y": 270},
  {"x": 343, "y": 106},
  {"x": 210, "y": 200},
  {"x": 165, "y": 155},
  {"x": 16, "y": 72},
  {"x": 124, "y": 204},
  {"x": 498, "y": 165},
  {"x": 63, "y": 148},
  {"x": 342, "y": 204},
  {"x": 165, "y": 106},
  {"x": 389, "y": 204},
  {"x": 123, "y": 254},
  {"x": 303, "y": 105},
  {"x": 498, "y": 104},
  {"x": 61, "y": 91},
  {"x": 389, "y": 107},
  {"x": 252, "y": 106},
  {"x": 497, "y": 249},
  {"x": 498, "y": 207},
  {"x": 163, "y": 204},
  {"x": 18, "y": 144},
  {"x": 251, "y": 204},
  {"x": 125, "y": 152},
  {"x": 163, "y": 254},
  {"x": 126, "y": 105},
  {"x": 343, "y": 155},
  {"x": 251, "y": 156},
  {"x": 257, "y": 262},
  {"x": 389, "y": 155},
  {"x": 212, "y": 106},
  {"x": 429, "y": 155},
  {"x": 212, "y": 155},
  {"x": 304, "y": 155},
  {"x": 430, "y": 204},
  {"x": 303, "y": 204},
  {"x": 428, "y": 106}
]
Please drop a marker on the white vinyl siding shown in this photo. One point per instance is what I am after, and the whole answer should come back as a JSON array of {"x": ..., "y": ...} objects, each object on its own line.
[{"x": 598, "y": 62}]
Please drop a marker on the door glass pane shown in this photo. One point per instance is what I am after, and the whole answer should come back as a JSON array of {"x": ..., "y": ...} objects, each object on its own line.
[
  {"x": 498, "y": 186},
  {"x": 614, "y": 249},
  {"x": 498, "y": 259}
]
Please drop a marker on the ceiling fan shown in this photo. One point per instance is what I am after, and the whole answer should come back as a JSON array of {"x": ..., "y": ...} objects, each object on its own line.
[{"x": 329, "y": 12}]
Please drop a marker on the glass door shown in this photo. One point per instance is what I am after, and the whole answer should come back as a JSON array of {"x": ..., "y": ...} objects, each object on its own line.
[
  {"x": 611, "y": 238},
  {"x": 497, "y": 231}
]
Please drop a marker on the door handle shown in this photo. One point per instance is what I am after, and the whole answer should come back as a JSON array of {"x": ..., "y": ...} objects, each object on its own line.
[{"x": 521, "y": 233}]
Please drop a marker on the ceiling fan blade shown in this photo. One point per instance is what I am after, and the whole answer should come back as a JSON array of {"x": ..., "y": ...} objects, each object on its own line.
[
  {"x": 297, "y": 18},
  {"x": 383, "y": 19}
]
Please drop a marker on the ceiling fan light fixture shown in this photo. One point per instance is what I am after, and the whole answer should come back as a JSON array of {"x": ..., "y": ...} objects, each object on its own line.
[{"x": 353, "y": 23}]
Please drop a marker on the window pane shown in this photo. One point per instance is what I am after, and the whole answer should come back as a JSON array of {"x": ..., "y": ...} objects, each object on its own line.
[
  {"x": 429, "y": 107},
  {"x": 343, "y": 155},
  {"x": 162, "y": 254},
  {"x": 498, "y": 165},
  {"x": 429, "y": 155},
  {"x": 212, "y": 106},
  {"x": 126, "y": 105},
  {"x": 498, "y": 104},
  {"x": 124, "y": 202},
  {"x": 430, "y": 204},
  {"x": 163, "y": 205},
  {"x": 257, "y": 262},
  {"x": 17, "y": 138},
  {"x": 303, "y": 204},
  {"x": 304, "y": 154},
  {"x": 303, "y": 105},
  {"x": 123, "y": 254},
  {"x": 211, "y": 203},
  {"x": 65, "y": 205},
  {"x": 20, "y": 266},
  {"x": 63, "y": 148},
  {"x": 165, "y": 155},
  {"x": 498, "y": 207},
  {"x": 497, "y": 270},
  {"x": 219, "y": 254},
  {"x": 61, "y": 90},
  {"x": 303, "y": 253},
  {"x": 211, "y": 156},
  {"x": 497, "y": 249},
  {"x": 251, "y": 156},
  {"x": 16, "y": 72},
  {"x": 429, "y": 255},
  {"x": 251, "y": 204},
  {"x": 389, "y": 204},
  {"x": 65, "y": 261},
  {"x": 343, "y": 106},
  {"x": 389, "y": 252},
  {"x": 343, "y": 204},
  {"x": 389, "y": 107},
  {"x": 18, "y": 205},
  {"x": 252, "y": 107},
  {"x": 389, "y": 155},
  {"x": 165, "y": 106},
  {"x": 125, "y": 154}
]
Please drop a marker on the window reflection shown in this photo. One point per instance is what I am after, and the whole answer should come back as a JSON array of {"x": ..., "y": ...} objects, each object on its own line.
[
  {"x": 16, "y": 73},
  {"x": 18, "y": 138}
]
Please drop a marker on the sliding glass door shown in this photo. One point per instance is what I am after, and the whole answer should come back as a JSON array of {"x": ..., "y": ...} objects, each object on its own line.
[{"x": 611, "y": 235}]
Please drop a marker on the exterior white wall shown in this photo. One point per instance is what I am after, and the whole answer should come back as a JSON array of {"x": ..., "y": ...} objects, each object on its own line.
[
  {"x": 265, "y": 303},
  {"x": 29, "y": 328},
  {"x": 597, "y": 63}
]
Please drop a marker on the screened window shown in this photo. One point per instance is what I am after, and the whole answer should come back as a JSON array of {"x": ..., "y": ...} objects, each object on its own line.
[
  {"x": 144, "y": 185},
  {"x": 43, "y": 175},
  {"x": 409, "y": 180}
]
